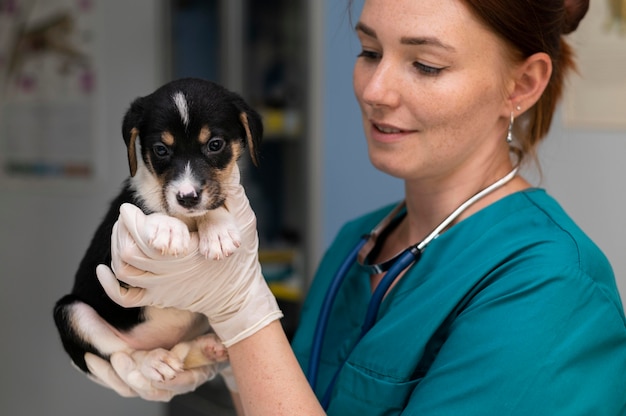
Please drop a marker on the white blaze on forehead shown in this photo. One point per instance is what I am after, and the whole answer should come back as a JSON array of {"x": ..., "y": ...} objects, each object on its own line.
[
  {"x": 186, "y": 184},
  {"x": 181, "y": 104}
]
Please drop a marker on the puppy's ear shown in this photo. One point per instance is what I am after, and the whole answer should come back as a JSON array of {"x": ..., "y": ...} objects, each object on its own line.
[
  {"x": 253, "y": 125},
  {"x": 132, "y": 154},
  {"x": 130, "y": 131}
]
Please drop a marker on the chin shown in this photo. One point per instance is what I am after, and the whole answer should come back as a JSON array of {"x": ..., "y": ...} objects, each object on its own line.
[{"x": 388, "y": 164}]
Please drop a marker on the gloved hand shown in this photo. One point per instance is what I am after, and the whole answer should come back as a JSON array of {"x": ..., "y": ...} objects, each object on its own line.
[
  {"x": 125, "y": 375},
  {"x": 231, "y": 292}
]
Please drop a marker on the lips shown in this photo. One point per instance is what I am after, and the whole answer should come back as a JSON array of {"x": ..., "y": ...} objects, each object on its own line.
[
  {"x": 387, "y": 129},
  {"x": 387, "y": 133}
]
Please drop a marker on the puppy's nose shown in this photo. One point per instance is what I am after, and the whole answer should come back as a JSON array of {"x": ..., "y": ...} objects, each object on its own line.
[{"x": 188, "y": 200}]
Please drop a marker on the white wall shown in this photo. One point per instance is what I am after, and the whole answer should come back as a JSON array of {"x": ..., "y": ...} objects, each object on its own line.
[{"x": 44, "y": 231}]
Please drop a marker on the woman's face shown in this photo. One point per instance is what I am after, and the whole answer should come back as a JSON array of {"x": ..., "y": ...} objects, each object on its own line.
[{"x": 431, "y": 83}]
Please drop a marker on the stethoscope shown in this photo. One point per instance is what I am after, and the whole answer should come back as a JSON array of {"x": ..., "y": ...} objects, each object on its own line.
[{"x": 393, "y": 268}]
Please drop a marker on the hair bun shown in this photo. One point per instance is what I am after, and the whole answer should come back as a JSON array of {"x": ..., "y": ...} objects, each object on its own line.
[{"x": 575, "y": 10}]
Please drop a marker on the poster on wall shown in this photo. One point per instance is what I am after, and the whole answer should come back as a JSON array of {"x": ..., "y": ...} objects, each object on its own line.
[
  {"x": 47, "y": 89},
  {"x": 596, "y": 97}
]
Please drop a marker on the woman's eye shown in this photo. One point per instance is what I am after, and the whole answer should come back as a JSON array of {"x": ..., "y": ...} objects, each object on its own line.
[
  {"x": 215, "y": 144},
  {"x": 369, "y": 54},
  {"x": 161, "y": 150},
  {"x": 427, "y": 69}
]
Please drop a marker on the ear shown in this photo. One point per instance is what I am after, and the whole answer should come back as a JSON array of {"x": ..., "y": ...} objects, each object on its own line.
[
  {"x": 530, "y": 80},
  {"x": 254, "y": 130},
  {"x": 253, "y": 126},
  {"x": 130, "y": 132},
  {"x": 132, "y": 154}
]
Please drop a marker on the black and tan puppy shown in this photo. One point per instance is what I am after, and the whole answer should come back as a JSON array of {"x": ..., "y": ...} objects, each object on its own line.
[{"x": 183, "y": 141}]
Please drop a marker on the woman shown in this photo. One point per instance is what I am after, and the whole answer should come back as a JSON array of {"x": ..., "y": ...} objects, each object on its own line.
[{"x": 511, "y": 310}]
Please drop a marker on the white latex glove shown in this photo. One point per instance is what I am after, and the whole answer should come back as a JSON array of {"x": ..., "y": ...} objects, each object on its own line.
[
  {"x": 231, "y": 292},
  {"x": 125, "y": 375}
]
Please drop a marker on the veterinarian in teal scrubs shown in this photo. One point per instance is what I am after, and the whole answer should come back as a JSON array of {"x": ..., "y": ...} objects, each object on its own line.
[{"x": 510, "y": 311}]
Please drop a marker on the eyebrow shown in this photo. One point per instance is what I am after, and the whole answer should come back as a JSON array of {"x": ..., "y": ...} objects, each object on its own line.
[{"x": 407, "y": 40}]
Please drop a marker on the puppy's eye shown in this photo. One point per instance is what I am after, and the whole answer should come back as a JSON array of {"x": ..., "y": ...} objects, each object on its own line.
[
  {"x": 215, "y": 144},
  {"x": 161, "y": 150}
]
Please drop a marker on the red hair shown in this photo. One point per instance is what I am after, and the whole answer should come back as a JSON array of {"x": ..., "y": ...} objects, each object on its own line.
[{"x": 530, "y": 27}]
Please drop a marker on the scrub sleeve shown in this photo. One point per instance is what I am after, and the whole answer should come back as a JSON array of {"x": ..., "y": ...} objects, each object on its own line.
[{"x": 513, "y": 311}]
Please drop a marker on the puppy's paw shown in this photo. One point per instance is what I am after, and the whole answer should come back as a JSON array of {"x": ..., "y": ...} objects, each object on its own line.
[
  {"x": 161, "y": 365},
  {"x": 219, "y": 240},
  {"x": 167, "y": 234},
  {"x": 204, "y": 350},
  {"x": 212, "y": 348}
]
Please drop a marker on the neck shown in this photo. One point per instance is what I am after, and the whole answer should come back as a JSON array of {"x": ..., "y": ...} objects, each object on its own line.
[{"x": 429, "y": 203}]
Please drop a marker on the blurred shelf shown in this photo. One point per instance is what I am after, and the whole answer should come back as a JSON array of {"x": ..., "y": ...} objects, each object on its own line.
[{"x": 281, "y": 124}]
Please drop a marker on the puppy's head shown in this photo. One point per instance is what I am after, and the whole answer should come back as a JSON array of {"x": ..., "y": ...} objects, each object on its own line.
[{"x": 183, "y": 141}]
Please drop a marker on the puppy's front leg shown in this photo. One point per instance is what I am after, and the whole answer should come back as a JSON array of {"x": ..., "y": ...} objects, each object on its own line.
[{"x": 218, "y": 233}]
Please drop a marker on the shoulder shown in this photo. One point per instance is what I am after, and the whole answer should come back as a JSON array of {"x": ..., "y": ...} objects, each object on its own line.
[
  {"x": 555, "y": 239},
  {"x": 524, "y": 245},
  {"x": 533, "y": 222},
  {"x": 532, "y": 241}
]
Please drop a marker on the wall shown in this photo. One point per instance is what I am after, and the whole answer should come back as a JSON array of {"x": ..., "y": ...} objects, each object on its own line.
[
  {"x": 583, "y": 169},
  {"x": 351, "y": 186},
  {"x": 44, "y": 230}
]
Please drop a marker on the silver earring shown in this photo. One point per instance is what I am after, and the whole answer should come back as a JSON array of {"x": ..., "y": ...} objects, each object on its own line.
[{"x": 509, "y": 136}]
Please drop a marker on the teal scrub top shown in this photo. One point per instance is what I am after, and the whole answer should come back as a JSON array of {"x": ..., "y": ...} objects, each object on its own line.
[{"x": 512, "y": 311}]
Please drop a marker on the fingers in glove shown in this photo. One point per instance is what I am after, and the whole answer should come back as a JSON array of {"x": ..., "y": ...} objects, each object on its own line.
[
  {"x": 136, "y": 265},
  {"x": 128, "y": 370},
  {"x": 127, "y": 297},
  {"x": 189, "y": 380},
  {"x": 103, "y": 373},
  {"x": 159, "y": 374},
  {"x": 133, "y": 256},
  {"x": 186, "y": 380},
  {"x": 127, "y": 250},
  {"x": 155, "y": 234}
]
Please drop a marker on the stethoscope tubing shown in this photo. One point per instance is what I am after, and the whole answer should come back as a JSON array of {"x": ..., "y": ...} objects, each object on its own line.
[
  {"x": 327, "y": 305},
  {"x": 406, "y": 259}
]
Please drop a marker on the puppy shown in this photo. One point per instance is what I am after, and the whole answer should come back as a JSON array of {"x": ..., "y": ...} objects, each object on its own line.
[{"x": 183, "y": 141}]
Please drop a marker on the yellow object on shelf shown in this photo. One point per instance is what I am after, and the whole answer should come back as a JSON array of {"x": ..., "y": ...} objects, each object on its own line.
[
  {"x": 285, "y": 292},
  {"x": 283, "y": 123},
  {"x": 283, "y": 256}
]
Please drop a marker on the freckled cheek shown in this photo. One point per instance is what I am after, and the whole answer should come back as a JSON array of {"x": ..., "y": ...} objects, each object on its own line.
[{"x": 455, "y": 106}]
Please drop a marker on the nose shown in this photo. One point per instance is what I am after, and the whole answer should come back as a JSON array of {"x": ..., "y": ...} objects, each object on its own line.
[
  {"x": 188, "y": 199},
  {"x": 381, "y": 86}
]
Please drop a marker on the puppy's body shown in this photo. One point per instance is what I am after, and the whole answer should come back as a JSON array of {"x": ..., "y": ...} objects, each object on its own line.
[{"x": 183, "y": 142}]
